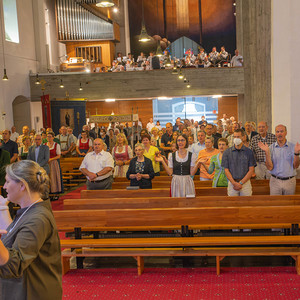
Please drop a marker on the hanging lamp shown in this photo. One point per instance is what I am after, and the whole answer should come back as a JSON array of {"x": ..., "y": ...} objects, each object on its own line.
[
  {"x": 105, "y": 3},
  {"x": 144, "y": 37},
  {"x": 4, "y": 75}
]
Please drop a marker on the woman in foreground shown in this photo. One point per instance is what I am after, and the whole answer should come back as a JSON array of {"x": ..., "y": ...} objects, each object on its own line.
[
  {"x": 181, "y": 165},
  {"x": 30, "y": 255}
]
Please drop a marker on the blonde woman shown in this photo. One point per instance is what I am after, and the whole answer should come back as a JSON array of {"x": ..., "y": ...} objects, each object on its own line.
[
  {"x": 122, "y": 154},
  {"x": 30, "y": 255}
]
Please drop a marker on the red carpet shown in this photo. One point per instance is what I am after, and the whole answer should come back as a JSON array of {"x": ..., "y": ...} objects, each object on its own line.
[
  {"x": 180, "y": 283},
  {"x": 75, "y": 194}
]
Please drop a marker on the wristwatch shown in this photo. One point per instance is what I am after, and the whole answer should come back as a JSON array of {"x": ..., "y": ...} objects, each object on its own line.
[{"x": 240, "y": 183}]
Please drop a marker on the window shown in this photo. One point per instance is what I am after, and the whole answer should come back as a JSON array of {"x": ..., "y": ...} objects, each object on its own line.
[
  {"x": 11, "y": 21},
  {"x": 191, "y": 107}
]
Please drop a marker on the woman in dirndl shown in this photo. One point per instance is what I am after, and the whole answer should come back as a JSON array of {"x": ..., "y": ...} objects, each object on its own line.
[
  {"x": 181, "y": 165},
  {"x": 122, "y": 155},
  {"x": 56, "y": 184},
  {"x": 84, "y": 145}
]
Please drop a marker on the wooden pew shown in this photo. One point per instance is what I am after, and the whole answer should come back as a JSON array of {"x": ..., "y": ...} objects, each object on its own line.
[
  {"x": 165, "y": 192},
  {"x": 168, "y": 202},
  {"x": 166, "y": 182},
  {"x": 181, "y": 246}
]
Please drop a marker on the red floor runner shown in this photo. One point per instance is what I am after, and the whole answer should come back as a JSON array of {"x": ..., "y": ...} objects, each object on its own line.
[
  {"x": 75, "y": 194},
  {"x": 180, "y": 283}
]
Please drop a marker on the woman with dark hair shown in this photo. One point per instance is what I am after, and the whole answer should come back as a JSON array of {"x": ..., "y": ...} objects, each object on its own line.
[
  {"x": 30, "y": 255},
  {"x": 105, "y": 138},
  {"x": 84, "y": 145},
  {"x": 181, "y": 165},
  {"x": 140, "y": 171}
]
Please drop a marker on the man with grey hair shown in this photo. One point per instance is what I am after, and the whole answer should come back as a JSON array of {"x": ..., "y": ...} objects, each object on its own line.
[
  {"x": 67, "y": 144},
  {"x": 39, "y": 153},
  {"x": 98, "y": 167},
  {"x": 261, "y": 170},
  {"x": 282, "y": 160}
]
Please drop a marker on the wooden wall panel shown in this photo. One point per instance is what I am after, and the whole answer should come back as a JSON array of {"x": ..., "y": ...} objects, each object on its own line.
[
  {"x": 144, "y": 108},
  {"x": 229, "y": 106},
  {"x": 107, "y": 49}
]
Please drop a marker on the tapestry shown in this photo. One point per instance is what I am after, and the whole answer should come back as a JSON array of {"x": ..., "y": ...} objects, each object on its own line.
[{"x": 68, "y": 113}]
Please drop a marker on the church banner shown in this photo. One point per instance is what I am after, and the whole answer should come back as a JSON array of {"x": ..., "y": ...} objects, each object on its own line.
[
  {"x": 113, "y": 118},
  {"x": 45, "y": 99}
]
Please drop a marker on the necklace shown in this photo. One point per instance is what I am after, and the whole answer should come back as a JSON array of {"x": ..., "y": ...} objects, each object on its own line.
[{"x": 24, "y": 214}]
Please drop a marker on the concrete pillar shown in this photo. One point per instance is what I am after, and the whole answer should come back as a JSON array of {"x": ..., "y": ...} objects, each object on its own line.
[
  {"x": 254, "y": 42},
  {"x": 285, "y": 66}
]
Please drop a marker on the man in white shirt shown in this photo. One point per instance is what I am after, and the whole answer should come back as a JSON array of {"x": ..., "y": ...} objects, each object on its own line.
[
  {"x": 237, "y": 60},
  {"x": 98, "y": 167},
  {"x": 150, "y": 125},
  {"x": 14, "y": 135}
]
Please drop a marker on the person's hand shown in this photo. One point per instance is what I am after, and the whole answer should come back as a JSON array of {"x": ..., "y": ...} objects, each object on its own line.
[
  {"x": 159, "y": 158},
  {"x": 297, "y": 148},
  {"x": 64, "y": 152},
  {"x": 263, "y": 146},
  {"x": 83, "y": 154},
  {"x": 92, "y": 176},
  {"x": 2, "y": 231},
  {"x": 203, "y": 160},
  {"x": 3, "y": 201},
  {"x": 138, "y": 176},
  {"x": 119, "y": 163},
  {"x": 237, "y": 186}
]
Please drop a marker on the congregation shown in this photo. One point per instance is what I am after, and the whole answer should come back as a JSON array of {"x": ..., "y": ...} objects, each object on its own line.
[{"x": 227, "y": 153}]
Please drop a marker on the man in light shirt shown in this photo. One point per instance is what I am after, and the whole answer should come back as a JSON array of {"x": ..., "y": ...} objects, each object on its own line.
[
  {"x": 98, "y": 167},
  {"x": 150, "y": 125},
  {"x": 14, "y": 134},
  {"x": 237, "y": 60}
]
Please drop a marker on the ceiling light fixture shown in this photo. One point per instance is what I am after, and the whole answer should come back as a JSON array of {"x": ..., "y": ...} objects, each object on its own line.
[
  {"x": 180, "y": 75},
  {"x": 61, "y": 84},
  {"x": 216, "y": 96},
  {"x": 159, "y": 52},
  {"x": 175, "y": 72},
  {"x": 188, "y": 85},
  {"x": 164, "y": 98},
  {"x": 37, "y": 80},
  {"x": 110, "y": 100},
  {"x": 5, "y": 78},
  {"x": 168, "y": 62},
  {"x": 80, "y": 87},
  {"x": 144, "y": 37},
  {"x": 105, "y": 3}
]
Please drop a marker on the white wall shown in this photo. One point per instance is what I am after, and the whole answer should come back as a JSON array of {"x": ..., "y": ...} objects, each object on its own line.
[
  {"x": 28, "y": 56},
  {"x": 285, "y": 69}
]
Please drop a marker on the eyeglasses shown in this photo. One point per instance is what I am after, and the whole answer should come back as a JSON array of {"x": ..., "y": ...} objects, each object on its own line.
[{"x": 181, "y": 140}]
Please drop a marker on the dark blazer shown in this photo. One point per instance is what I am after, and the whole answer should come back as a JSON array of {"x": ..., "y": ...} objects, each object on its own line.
[
  {"x": 143, "y": 183},
  {"x": 4, "y": 161},
  {"x": 43, "y": 158}
]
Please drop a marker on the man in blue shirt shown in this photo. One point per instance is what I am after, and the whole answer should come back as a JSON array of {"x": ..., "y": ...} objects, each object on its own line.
[
  {"x": 239, "y": 163},
  {"x": 282, "y": 159}
]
